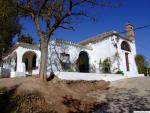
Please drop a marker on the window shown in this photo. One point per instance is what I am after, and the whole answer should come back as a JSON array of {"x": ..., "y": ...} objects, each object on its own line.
[
  {"x": 65, "y": 60},
  {"x": 125, "y": 46},
  {"x": 64, "y": 57}
]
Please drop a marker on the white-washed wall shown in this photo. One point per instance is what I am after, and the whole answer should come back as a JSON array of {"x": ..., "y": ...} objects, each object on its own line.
[
  {"x": 20, "y": 68},
  {"x": 92, "y": 76},
  {"x": 101, "y": 50},
  {"x": 54, "y": 50},
  {"x": 105, "y": 49},
  {"x": 131, "y": 57},
  {"x": 20, "y": 52}
]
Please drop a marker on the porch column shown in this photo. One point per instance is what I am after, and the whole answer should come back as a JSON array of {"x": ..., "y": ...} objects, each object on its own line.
[{"x": 20, "y": 64}]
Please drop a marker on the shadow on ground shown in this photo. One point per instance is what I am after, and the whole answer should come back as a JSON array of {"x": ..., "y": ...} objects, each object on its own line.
[
  {"x": 7, "y": 104},
  {"x": 27, "y": 102},
  {"x": 124, "y": 101},
  {"x": 74, "y": 104}
]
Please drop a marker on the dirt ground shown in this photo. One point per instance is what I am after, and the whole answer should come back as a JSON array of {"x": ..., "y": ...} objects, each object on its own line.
[
  {"x": 30, "y": 95},
  {"x": 126, "y": 96}
]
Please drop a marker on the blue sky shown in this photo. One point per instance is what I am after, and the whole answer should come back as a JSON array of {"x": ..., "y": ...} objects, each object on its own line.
[{"x": 108, "y": 18}]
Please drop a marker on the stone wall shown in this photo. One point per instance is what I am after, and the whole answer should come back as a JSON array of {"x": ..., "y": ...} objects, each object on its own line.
[{"x": 4, "y": 73}]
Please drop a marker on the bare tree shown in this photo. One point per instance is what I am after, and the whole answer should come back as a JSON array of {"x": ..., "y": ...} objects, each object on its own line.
[{"x": 55, "y": 14}]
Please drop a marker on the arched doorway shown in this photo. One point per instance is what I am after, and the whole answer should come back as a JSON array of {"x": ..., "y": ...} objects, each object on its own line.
[
  {"x": 26, "y": 64},
  {"x": 29, "y": 58},
  {"x": 34, "y": 61},
  {"x": 83, "y": 62},
  {"x": 126, "y": 47}
]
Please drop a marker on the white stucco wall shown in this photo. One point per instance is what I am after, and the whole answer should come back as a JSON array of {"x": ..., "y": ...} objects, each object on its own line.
[
  {"x": 101, "y": 50},
  {"x": 98, "y": 50},
  {"x": 54, "y": 50},
  {"x": 92, "y": 76},
  {"x": 131, "y": 57},
  {"x": 105, "y": 49},
  {"x": 20, "y": 52},
  {"x": 20, "y": 66}
]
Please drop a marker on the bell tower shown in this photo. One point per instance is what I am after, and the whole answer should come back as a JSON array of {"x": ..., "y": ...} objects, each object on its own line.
[{"x": 130, "y": 31}]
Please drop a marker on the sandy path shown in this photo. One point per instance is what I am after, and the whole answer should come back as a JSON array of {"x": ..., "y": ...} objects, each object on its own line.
[{"x": 126, "y": 96}]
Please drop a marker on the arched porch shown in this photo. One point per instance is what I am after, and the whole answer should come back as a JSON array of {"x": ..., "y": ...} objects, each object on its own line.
[{"x": 29, "y": 58}]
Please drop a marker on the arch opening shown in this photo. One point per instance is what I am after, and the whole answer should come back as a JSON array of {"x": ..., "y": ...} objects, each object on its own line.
[
  {"x": 29, "y": 58},
  {"x": 125, "y": 46},
  {"x": 34, "y": 61},
  {"x": 83, "y": 62}
]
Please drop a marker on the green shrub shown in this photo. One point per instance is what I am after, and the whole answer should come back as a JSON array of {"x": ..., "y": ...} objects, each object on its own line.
[
  {"x": 120, "y": 72},
  {"x": 70, "y": 70},
  {"x": 106, "y": 66}
]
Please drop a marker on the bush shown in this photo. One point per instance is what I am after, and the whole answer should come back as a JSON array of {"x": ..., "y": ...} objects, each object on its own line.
[
  {"x": 70, "y": 70},
  {"x": 106, "y": 66},
  {"x": 120, "y": 72}
]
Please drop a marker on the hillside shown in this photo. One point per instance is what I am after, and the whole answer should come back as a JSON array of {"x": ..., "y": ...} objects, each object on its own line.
[{"x": 30, "y": 95}]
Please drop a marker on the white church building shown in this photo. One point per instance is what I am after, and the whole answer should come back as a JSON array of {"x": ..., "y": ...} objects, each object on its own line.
[{"x": 88, "y": 56}]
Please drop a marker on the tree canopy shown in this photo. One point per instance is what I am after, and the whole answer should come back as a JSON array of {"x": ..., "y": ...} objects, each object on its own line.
[
  {"x": 25, "y": 39},
  {"x": 142, "y": 64},
  {"x": 9, "y": 25}
]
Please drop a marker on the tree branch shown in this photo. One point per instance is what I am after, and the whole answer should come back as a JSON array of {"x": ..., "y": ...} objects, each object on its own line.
[
  {"x": 36, "y": 20},
  {"x": 82, "y": 13},
  {"x": 58, "y": 21},
  {"x": 68, "y": 28},
  {"x": 43, "y": 6}
]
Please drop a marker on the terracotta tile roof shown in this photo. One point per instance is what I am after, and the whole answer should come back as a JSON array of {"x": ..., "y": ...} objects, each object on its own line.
[
  {"x": 19, "y": 44},
  {"x": 101, "y": 37},
  {"x": 59, "y": 40}
]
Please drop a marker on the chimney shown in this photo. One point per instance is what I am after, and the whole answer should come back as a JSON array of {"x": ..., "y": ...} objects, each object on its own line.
[{"x": 130, "y": 31}]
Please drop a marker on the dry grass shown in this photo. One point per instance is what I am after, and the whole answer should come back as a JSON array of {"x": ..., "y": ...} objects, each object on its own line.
[{"x": 30, "y": 95}]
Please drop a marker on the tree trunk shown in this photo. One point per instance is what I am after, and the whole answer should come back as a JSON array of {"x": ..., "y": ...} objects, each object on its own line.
[{"x": 43, "y": 63}]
